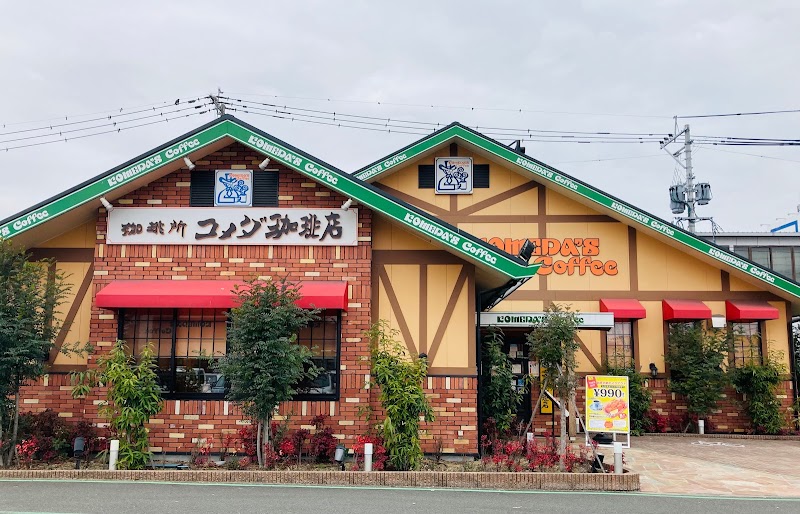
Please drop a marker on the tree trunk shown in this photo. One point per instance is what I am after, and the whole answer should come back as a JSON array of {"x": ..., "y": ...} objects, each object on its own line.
[
  {"x": 12, "y": 452},
  {"x": 542, "y": 387},
  {"x": 562, "y": 445},
  {"x": 2, "y": 457},
  {"x": 259, "y": 450}
]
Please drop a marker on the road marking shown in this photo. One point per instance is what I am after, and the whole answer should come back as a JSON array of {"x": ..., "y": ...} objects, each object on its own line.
[{"x": 382, "y": 488}]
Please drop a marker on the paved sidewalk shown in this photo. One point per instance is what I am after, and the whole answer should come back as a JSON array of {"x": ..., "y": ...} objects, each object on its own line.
[{"x": 735, "y": 467}]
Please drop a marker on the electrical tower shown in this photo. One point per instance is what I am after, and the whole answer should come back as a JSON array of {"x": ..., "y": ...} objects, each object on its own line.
[{"x": 686, "y": 195}]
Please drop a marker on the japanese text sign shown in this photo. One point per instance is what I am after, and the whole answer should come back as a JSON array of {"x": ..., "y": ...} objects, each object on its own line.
[
  {"x": 607, "y": 404},
  {"x": 233, "y": 226}
]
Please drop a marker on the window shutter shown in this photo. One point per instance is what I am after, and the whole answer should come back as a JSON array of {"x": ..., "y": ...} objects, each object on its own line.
[
  {"x": 201, "y": 190},
  {"x": 265, "y": 188},
  {"x": 426, "y": 176},
  {"x": 480, "y": 176}
]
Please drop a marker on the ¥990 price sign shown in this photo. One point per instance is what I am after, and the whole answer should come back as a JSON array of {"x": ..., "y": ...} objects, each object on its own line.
[{"x": 607, "y": 404}]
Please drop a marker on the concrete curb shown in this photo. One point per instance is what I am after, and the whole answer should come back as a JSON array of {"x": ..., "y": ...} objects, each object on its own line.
[
  {"x": 726, "y": 436},
  {"x": 432, "y": 479}
]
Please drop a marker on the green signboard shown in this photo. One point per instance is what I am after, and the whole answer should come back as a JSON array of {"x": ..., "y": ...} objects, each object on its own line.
[
  {"x": 425, "y": 225},
  {"x": 564, "y": 181}
]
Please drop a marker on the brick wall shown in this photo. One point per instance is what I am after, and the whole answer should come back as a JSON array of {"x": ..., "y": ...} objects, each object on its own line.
[
  {"x": 182, "y": 422},
  {"x": 729, "y": 417}
]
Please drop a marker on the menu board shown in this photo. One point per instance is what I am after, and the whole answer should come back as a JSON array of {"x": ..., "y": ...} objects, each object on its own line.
[{"x": 607, "y": 404}]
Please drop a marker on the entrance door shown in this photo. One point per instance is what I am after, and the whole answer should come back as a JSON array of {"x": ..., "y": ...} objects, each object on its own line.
[{"x": 516, "y": 348}]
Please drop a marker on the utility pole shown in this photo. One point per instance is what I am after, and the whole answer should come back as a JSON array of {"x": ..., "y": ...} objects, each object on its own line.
[
  {"x": 219, "y": 106},
  {"x": 690, "y": 192},
  {"x": 686, "y": 196}
]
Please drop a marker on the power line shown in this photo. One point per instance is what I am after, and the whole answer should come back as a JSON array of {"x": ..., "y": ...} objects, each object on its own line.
[
  {"x": 118, "y": 129},
  {"x": 613, "y": 158},
  {"x": 534, "y": 135},
  {"x": 460, "y": 107},
  {"x": 68, "y": 116},
  {"x": 112, "y": 124},
  {"x": 730, "y": 114},
  {"x": 753, "y": 155}
]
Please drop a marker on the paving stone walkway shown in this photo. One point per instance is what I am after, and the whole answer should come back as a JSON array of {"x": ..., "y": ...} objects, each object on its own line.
[{"x": 730, "y": 467}]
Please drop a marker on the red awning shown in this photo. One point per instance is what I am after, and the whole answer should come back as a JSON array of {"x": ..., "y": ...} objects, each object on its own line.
[
  {"x": 623, "y": 308},
  {"x": 207, "y": 294},
  {"x": 749, "y": 310},
  {"x": 323, "y": 295},
  {"x": 685, "y": 309}
]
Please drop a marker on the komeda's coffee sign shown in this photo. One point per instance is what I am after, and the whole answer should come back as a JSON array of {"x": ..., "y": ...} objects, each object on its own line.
[{"x": 568, "y": 256}]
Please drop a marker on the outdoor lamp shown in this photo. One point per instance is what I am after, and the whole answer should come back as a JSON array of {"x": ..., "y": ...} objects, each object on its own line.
[
  {"x": 423, "y": 355},
  {"x": 106, "y": 204},
  {"x": 653, "y": 370},
  {"x": 527, "y": 250},
  {"x": 340, "y": 455},
  {"x": 264, "y": 164},
  {"x": 77, "y": 450},
  {"x": 189, "y": 164},
  {"x": 346, "y": 205}
]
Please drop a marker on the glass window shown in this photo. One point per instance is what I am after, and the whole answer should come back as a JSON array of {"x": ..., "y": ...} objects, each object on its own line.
[
  {"x": 322, "y": 338},
  {"x": 761, "y": 256},
  {"x": 619, "y": 345},
  {"x": 782, "y": 260},
  {"x": 185, "y": 342},
  {"x": 746, "y": 343},
  {"x": 744, "y": 251}
]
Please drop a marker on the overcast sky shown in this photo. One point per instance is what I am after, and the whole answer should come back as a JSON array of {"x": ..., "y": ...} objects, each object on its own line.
[{"x": 571, "y": 66}]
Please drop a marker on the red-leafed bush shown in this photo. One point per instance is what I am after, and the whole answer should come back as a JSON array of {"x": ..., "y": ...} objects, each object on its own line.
[
  {"x": 379, "y": 455},
  {"x": 323, "y": 444}
]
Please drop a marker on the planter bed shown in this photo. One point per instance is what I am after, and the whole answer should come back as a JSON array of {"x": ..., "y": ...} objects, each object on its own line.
[{"x": 433, "y": 479}]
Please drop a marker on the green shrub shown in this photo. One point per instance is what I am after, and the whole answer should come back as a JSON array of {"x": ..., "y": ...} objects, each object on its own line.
[
  {"x": 402, "y": 396},
  {"x": 498, "y": 396},
  {"x": 695, "y": 359},
  {"x": 759, "y": 382}
]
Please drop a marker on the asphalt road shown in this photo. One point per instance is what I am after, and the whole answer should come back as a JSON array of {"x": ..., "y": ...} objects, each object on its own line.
[{"x": 138, "y": 497}]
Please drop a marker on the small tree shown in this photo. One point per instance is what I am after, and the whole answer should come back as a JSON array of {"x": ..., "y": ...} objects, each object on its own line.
[
  {"x": 402, "y": 397},
  {"x": 133, "y": 396},
  {"x": 30, "y": 292},
  {"x": 758, "y": 382},
  {"x": 552, "y": 343},
  {"x": 263, "y": 363},
  {"x": 500, "y": 399},
  {"x": 695, "y": 359}
]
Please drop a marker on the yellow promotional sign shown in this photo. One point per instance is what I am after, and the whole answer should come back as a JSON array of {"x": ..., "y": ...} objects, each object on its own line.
[
  {"x": 607, "y": 404},
  {"x": 547, "y": 404}
]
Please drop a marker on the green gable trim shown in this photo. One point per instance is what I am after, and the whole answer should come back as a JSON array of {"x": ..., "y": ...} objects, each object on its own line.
[
  {"x": 463, "y": 243},
  {"x": 560, "y": 180}
]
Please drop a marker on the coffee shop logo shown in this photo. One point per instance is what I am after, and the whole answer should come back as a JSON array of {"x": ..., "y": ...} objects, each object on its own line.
[
  {"x": 453, "y": 175},
  {"x": 233, "y": 188},
  {"x": 568, "y": 256}
]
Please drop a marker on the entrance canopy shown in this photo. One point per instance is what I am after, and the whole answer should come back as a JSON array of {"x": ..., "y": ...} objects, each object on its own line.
[{"x": 208, "y": 294}]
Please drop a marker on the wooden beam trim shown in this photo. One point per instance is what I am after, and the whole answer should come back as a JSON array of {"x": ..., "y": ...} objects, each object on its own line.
[
  {"x": 501, "y": 197},
  {"x": 423, "y": 308},
  {"x": 541, "y": 199},
  {"x": 453, "y": 372},
  {"x": 80, "y": 295},
  {"x": 395, "y": 305},
  {"x": 384, "y": 257},
  {"x": 454, "y": 219},
  {"x": 585, "y": 350},
  {"x": 633, "y": 259},
  {"x": 448, "y": 313},
  {"x": 471, "y": 301},
  {"x": 725, "y": 278},
  {"x": 63, "y": 254},
  {"x": 643, "y": 296},
  {"x": 413, "y": 200}
]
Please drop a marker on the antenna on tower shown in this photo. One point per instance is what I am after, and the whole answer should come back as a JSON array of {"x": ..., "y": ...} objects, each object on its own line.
[
  {"x": 219, "y": 106},
  {"x": 686, "y": 195}
]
